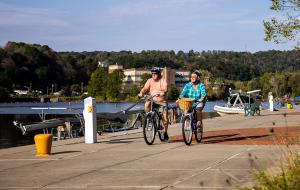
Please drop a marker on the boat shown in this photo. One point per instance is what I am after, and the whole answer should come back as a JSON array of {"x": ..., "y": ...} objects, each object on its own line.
[
  {"x": 50, "y": 123},
  {"x": 223, "y": 110},
  {"x": 236, "y": 102},
  {"x": 45, "y": 124}
]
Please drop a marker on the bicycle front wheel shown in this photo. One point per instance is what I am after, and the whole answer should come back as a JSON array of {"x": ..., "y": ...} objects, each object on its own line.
[
  {"x": 187, "y": 132},
  {"x": 149, "y": 129}
]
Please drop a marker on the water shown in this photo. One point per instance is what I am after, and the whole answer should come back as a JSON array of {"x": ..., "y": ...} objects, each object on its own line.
[
  {"x": 76, "y": 107},
  {"x": 11, "y": 136}
]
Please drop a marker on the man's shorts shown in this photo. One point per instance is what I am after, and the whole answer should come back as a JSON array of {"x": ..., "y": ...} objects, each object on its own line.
[{"x": 161, "y": 106}]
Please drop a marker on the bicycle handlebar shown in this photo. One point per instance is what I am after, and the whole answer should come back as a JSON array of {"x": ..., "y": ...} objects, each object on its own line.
[{"x": 148, "y": 96}]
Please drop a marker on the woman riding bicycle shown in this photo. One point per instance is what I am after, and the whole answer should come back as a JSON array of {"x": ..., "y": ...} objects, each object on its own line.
[
  {"x": 195, "y": 89},
  {"x": 157, "y": 85}
]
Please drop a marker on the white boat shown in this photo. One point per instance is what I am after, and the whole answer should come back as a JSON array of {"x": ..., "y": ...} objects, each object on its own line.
[
  {"x": 238, "y": 106},
  {"x": 222, "y": 110}
]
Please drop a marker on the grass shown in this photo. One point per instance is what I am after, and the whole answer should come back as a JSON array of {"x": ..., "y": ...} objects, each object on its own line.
[{"x": 286, "y": 177}]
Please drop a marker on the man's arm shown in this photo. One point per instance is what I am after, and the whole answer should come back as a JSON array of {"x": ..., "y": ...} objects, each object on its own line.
[
  {"x": 164, "y": 88},
  {"x": 145, "y": 89}
]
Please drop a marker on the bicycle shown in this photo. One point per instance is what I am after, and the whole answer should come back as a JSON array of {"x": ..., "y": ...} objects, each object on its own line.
[
  {"x": 152, "y": 123},
  {"x": 189, "y": 127}
]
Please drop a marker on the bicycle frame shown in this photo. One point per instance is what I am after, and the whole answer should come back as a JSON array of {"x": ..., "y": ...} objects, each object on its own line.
[
  {"x": 191, "y": 115},
  {"x": 152, "y": 117},
  {"x": 189, "y": 127}
]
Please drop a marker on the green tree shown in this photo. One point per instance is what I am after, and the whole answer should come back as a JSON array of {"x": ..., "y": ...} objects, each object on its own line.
[
  {"x": 286, "y": 29},
  {"x": 98, "y": 82},
  {"x": 4, "y": 94},
  {"x": 173, "y": 93},
  {"x": 114, "y": 84},
  {"x": 131, "y": 90},
  {"x": 240, "y": 85}
]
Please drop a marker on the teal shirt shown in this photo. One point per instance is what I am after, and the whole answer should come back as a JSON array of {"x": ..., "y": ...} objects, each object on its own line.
[{"x": 189, "y": 92}]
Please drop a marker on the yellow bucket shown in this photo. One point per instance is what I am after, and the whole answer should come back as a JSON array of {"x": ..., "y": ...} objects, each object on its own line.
[
  {"x": 43, "y": 143},
  {"x": 289, "y": 106}
]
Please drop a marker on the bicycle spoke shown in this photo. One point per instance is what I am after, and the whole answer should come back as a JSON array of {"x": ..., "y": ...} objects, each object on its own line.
[
  {"x": 187, "y": 130},
  {"x": 149, "y": 130}
]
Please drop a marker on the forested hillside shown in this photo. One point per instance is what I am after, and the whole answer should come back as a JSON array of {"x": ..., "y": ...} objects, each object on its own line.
[{"x": 39, "y": 66}]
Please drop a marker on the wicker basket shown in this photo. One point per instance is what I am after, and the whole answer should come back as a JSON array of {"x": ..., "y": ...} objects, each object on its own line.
[{"x": 186, "y": 103}]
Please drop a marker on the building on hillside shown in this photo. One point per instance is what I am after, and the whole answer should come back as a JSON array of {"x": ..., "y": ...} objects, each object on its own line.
[
  {"x": 101, "y": 64},
  {"x": 111, "y": 68},
  {"x": 181, "y": 78},
  {"x": 169, "y": 76},
  {"x": 172, "y": 77},
  {"x": 133, "y": 76}
]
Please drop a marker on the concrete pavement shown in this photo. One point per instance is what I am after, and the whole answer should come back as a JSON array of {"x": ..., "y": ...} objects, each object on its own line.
[{"x": 123, "y": 160}]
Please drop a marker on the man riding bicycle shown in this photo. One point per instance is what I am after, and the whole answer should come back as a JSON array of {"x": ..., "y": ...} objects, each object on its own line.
[
  {"x": 195, "y": 89},
  {"x": 157, "y": 85}
]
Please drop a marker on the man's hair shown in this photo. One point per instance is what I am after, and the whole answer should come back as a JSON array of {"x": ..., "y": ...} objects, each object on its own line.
[{"x": 197, "y": 72}]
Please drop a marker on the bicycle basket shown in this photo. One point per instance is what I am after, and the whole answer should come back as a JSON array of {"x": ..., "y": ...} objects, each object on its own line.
[{"x": 186, "y": 103}]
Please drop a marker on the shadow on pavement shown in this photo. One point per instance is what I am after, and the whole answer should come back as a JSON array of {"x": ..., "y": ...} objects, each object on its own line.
[
  {"x": 64, "y": 152},
  {"x": 219, "y": 140}
]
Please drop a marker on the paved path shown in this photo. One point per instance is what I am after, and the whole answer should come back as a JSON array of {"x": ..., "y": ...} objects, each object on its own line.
[{"x": 124, "y": 161}]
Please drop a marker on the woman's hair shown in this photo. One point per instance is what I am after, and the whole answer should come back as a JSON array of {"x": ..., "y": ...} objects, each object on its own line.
[{"x": 197, "y": 72}]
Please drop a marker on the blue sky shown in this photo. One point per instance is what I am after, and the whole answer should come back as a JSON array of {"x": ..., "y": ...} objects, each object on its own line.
[{"x": 136, "y": 25}]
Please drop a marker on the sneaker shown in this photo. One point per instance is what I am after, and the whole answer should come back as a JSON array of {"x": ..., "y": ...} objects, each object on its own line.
[{"x": 166, "y": 136}]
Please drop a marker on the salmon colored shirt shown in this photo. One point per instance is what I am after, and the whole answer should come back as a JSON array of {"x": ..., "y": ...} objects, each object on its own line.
[{"x": 155, "y": 87}]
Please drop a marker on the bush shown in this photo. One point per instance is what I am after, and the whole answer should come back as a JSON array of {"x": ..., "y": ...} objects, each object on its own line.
[
  {"x": 287, "y": 178},
  {"x": 173, "y": 93},
  {"x": 4, "y": 93}
]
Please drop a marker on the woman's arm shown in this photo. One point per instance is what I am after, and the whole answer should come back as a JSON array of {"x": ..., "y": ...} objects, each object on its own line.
[
  {"x": 184, "y": 91},
  {"x": 203, "y": 92}
]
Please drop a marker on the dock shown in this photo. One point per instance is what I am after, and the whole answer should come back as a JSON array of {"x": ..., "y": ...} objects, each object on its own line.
[{"x": 122, "y": 160}]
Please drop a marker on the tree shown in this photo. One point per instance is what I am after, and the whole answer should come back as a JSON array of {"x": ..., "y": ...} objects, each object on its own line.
[
  {"x": 131, "y": 90},
  {"x": 114, "y": 84},
  {"x": 286, "y": 29},
  {"x": 173, "y": 93},
  {"x": 4, "y": 94},
  {"x": 98, "y": 82}
]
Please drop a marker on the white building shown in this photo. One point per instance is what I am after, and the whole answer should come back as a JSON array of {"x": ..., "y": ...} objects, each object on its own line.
[
  {"x": 21, "y": 92},
  {"x": 111, "y": 68},
  {"x": 133, "y": 76},
  {"x": 181, "y": 78},
  {"x": 173, "y": 77}
]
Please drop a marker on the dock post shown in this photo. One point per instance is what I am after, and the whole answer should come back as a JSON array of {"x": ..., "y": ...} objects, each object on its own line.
[{"x": 90, "y": 120}]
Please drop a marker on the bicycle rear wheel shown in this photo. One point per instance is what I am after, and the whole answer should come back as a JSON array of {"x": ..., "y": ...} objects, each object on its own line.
[
  {"x": 187, "y": 132},
  {"x": 199, "y": 133},
  {"x": 149, "y": 129}
]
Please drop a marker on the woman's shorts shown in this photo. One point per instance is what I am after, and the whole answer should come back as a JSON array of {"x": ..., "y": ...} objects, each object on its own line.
[{"x": 200, "y": 105}]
